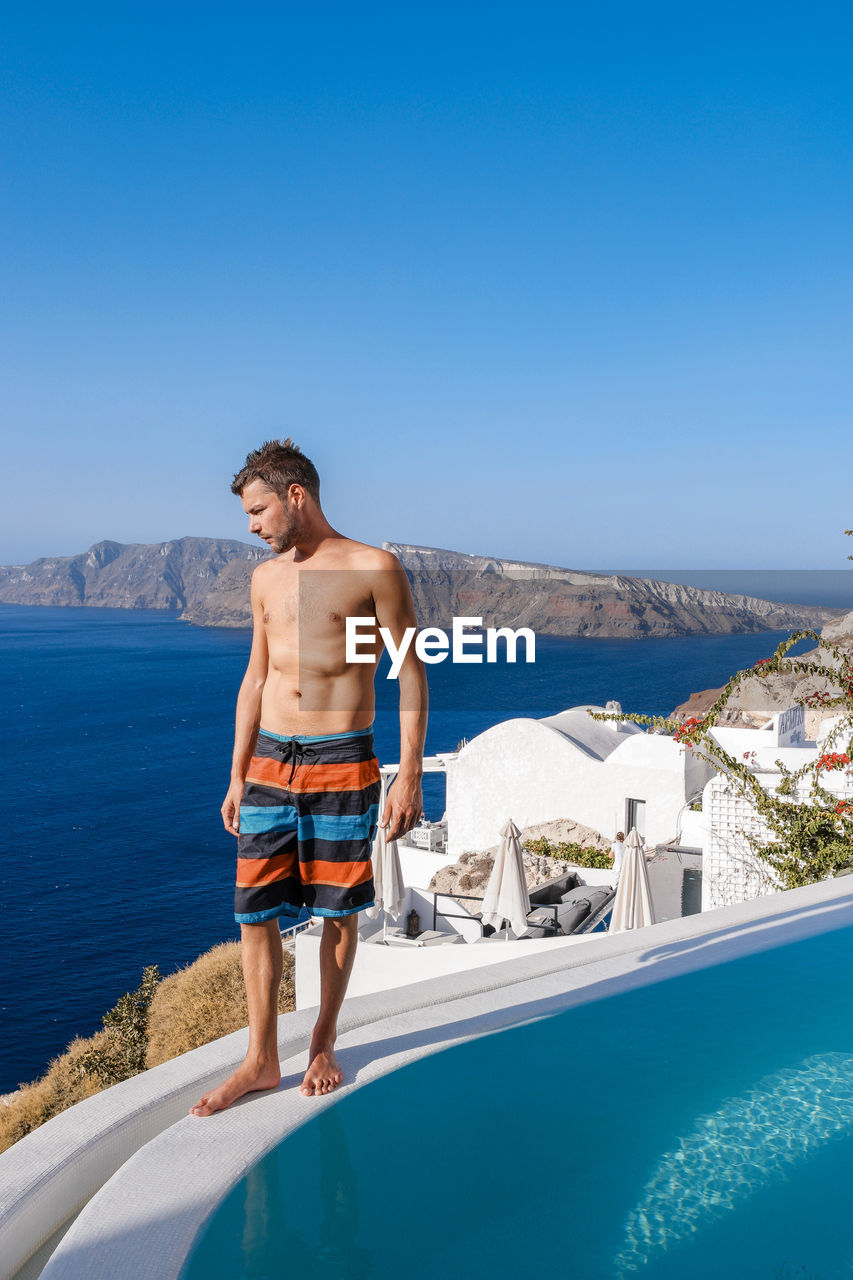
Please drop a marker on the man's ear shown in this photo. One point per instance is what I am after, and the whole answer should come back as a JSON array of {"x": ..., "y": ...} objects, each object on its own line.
[{"x": 296, "y": 495}]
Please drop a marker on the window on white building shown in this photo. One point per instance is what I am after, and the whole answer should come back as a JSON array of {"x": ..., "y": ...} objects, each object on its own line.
[{"x": 635, "y": 816}]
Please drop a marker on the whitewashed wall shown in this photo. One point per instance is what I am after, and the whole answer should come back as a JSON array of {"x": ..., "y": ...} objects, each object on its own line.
[{"x": 524, "y": 770}]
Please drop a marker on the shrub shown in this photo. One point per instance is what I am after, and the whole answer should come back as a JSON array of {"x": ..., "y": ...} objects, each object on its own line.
[
  {"x": 87, "y": 1066},
  {"x": 578, "y": 855},
  {"x": 120, "y": 1052},
  {"x": 162, "y": 1018},
  {"x": 64, "y": 1083},
  {"x": 541, "y": 846}
]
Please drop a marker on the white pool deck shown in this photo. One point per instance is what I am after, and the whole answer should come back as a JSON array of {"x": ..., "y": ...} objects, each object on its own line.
[{"x": 119, "y": 1186}]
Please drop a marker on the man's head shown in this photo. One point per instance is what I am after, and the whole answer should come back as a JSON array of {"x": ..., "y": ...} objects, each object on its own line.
[
  {"x": 279, "y": 463},
  {"x": 280, "y": 489}
]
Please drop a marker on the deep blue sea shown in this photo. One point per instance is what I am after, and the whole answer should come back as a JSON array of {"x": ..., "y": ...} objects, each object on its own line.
[{"x": 115, "y": 758}]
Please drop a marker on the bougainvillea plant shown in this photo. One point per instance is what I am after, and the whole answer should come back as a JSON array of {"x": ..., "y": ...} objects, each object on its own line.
[{"x": 809, "y": 828}]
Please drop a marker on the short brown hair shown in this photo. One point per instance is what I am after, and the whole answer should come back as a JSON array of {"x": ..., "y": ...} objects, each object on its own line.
[{"x": 279, "y": 464}]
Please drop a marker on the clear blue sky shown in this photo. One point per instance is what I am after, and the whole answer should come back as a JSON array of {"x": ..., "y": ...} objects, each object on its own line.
[{"x": 558, "y": 281}]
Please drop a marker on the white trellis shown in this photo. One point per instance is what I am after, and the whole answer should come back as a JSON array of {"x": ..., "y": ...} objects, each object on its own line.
[{"x": 732, "y": 871}]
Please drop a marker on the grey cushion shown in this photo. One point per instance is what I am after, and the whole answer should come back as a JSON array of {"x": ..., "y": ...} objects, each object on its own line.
[
  {"x": 582, "y": 891},
  {"x": 598, "y": 896},
  {"x": 580, "y": 903},
  {"x": 572, "y": 914},
  {"x": 600, "y": 892}
]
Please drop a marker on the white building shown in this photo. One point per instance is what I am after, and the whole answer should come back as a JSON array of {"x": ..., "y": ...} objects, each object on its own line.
[
  {"x": 731, "y": 869},
  {"x": 606, "y": 774}
]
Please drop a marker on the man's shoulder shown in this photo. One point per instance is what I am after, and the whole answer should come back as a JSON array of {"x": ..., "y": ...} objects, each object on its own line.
[
  {"x": 361, "y": 555},
  {"x": 262, "y": 572}
]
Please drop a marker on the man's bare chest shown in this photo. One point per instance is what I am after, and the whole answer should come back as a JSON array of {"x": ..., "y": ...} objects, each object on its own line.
[{"x": 316, "y": 604}]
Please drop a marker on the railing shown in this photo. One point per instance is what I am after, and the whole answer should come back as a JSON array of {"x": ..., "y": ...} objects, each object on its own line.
[
  {"x": 455, "y": 915},
  {"x": 288, "y": 934},
  {"x": 470, "y": 897}
]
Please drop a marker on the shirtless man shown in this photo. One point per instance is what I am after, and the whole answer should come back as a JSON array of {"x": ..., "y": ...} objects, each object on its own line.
[{"x": 304, "y": 793}]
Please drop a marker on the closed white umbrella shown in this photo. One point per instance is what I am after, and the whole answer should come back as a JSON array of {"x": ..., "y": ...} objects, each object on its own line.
[
  {"x": 506, "y": 893},
  {"x": 632, "y": 906},
  {"x": 389, "y": 889}
]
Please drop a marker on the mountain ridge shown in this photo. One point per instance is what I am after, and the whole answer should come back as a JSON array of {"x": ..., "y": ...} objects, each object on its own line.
[
  {"x": 135, "y": 575},
  {"x": 572, "y": 602},
  {"x": 208, "y": 579}
]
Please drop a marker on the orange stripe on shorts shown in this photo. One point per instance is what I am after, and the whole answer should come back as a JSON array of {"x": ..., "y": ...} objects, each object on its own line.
[
  {"x": 256, "y": 871},
  {"x": 354, "y": 776},
  {"x": 342, "y": 874}
]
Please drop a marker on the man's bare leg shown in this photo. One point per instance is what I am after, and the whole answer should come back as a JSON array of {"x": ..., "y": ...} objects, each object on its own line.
[
  {"x": 262, "y": 969},
  {"x": 337, "y": 953}
]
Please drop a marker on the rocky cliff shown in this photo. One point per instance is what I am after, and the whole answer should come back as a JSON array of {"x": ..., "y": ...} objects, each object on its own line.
[
  {"x": 208, "y": 580},
  {"x": 166, "y": 575},
  {"x": 568, "y": 602}
]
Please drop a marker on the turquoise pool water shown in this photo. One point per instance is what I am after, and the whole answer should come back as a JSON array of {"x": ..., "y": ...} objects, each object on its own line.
[{"x": 700, "y": 1127}]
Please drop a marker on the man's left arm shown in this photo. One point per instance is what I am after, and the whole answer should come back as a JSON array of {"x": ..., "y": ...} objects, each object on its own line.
[{"x": 395, "y": 610}]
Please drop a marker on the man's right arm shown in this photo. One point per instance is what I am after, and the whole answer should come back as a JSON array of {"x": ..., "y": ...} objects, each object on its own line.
[{"x": 248, "y": 717}]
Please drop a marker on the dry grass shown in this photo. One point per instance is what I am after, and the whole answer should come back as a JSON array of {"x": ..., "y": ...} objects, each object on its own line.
[
  {"x": 65, "y": 1082},
  {"x": 204, "y": 1001},
  {"x": 197, "y": 1004}
]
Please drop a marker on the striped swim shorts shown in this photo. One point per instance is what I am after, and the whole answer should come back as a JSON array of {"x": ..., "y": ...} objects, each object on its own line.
[{"x": 308, "y": 815}]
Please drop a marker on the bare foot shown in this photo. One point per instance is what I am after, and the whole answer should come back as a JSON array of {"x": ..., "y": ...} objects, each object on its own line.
[
  {"x": 323, "y": 1074},
  {"x": 246, "y": 1079}
]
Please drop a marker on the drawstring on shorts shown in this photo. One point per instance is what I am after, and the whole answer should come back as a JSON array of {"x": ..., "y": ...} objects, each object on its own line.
[{"x": 294, "y": 752}]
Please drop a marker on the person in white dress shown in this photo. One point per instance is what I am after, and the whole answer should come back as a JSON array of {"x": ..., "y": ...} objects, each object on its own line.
[{"x": 618, "y": 851}]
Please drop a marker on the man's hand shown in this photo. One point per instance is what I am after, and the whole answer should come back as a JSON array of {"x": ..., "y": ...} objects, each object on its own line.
[
  {"x": 403, "y": 806},
  {"x": 231, "y": 808}
]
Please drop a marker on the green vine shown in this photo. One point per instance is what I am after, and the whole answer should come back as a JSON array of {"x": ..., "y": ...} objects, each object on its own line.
[{"x": 812, "y": 837}]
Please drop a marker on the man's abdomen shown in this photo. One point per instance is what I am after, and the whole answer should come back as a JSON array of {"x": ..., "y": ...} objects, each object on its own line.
[{"x": 309, "y": 702}]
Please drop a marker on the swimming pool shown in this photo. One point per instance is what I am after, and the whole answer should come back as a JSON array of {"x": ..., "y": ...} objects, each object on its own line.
[{"x": 701, "y": 1126}]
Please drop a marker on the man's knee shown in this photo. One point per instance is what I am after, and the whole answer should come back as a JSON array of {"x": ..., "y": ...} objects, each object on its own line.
[
  {"x": 251, "y": 932},
  {"x": 341, "y": 924}
]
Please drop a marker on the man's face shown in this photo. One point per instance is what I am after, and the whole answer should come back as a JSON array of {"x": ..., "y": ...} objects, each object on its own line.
[{"x": 277, "y": 523}]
